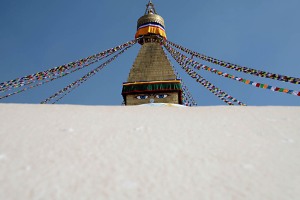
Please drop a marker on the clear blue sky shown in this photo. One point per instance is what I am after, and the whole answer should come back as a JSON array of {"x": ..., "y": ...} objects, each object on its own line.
[{"x": 36, "y": 35}]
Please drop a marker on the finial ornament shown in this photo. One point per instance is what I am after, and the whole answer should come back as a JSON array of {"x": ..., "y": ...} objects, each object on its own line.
[
  {"x": 150, "y": 8},
  {"x": 150, "y": 23}
]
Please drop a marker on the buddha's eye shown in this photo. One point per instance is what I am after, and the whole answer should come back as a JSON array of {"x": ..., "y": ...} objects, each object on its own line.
[
  {"x": 161, "y": 96},
  {"x": 142, "y": 97}
]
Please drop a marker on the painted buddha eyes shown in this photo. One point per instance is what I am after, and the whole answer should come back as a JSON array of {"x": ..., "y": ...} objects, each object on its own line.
[
  {"x": 161, "y": 96},
  {"x": 142, "y": 97},
  {"x": 158, "y": 96}
]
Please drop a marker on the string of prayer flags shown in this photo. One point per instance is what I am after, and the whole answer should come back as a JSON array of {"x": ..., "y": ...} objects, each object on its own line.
[
  {"x": 187, "y": 97},
  {"x": 213, "y": 89},
  {"x": 60, "y": 70},
  {"x": 45, "y": 81},
  {"x": 78, "y": 82},
  {"x": 238, "y": 68},
  {"x": 196, "y": 65}
]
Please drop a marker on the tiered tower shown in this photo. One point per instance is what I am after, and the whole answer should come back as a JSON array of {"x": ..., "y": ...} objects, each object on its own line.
[{"x": 151, "y": 78}]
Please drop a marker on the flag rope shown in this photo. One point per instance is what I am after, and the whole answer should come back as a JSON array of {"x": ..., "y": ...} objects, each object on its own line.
[
  {"x": 78, "y": 82},
  {"x": 212, "y": 88},
  {"x": 48, "y": 80},
  {"x": 60, "y": 70},
  {"x": 238, "y": 68},
  {"x": 199, "y": 66},
  {"x": 188, "y": 99}
]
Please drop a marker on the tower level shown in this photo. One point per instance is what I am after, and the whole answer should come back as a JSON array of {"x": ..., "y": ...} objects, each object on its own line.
[{"x": 151, "y": 78}]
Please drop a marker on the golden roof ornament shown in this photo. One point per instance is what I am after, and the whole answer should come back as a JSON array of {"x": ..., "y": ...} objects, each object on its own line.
[{"x": 151, "y": 23}]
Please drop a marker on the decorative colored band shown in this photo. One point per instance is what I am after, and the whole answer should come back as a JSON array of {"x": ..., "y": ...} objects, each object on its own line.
[
  {"x": 168, "y": 86},
  {"x": 155, "y": 24},
  {"x": 151, "y": 82},
  {"x": 151, "y": 30}
]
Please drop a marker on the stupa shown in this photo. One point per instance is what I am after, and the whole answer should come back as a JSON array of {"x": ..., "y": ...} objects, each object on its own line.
[{"x": 151, "y": 78}]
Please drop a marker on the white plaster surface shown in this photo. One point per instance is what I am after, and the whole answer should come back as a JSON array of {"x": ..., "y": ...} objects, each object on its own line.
[{"x": 53, "y": 152}]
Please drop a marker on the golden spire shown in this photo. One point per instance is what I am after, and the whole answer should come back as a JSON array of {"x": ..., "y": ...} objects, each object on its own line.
[{"x": 150, "y": 8}]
